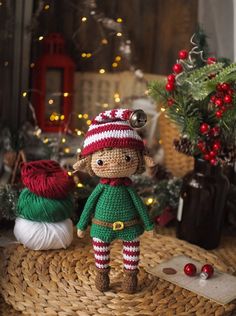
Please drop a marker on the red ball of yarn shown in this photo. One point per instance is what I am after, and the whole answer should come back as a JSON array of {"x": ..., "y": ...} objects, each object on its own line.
[{"x": 46, "y": 178}]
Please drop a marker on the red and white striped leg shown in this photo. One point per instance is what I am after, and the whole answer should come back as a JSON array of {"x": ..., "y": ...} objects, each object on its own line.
[
  {"x": 101, "y": 253},
  {"x": 131, "y": 252}
]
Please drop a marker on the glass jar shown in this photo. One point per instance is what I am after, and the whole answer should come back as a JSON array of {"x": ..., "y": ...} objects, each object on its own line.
[{"x": 201, "y": 208}]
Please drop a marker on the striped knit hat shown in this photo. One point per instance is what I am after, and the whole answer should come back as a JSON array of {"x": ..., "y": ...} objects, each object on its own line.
[{"x": 111, "y": 129}]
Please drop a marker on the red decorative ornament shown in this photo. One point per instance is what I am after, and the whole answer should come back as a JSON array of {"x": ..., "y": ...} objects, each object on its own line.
[
  {"x": 213, "y": 98},
  {"x": 219, "y": 102},
  {"x": 170, "y": 102},
  {"x": 215, "y": 131},
  {"x": 213, "y": 161},
  {"x": 211, "y": 60},
  {"x": 212, "y": 154},
  {"x": 170, "y": 86},
  {"x": 190, "y": 269},
  {"x": 204, "y": 128},
  {"x": 219, "y": 114},
  {"x": 207, "y": 271},
  {"x": 177, "y": 68},
  {"x": 207, "y": 157},
  {"x": 53, "y": 83},
  {"x": 228, "y": 98},
  {"x": 216, "y": 146},
  {"x": 183, "y": 54},
  {"x": 225, "y": 86},
  {"x": 201, "y": 145},
  {"x": 171, "y": 78}
]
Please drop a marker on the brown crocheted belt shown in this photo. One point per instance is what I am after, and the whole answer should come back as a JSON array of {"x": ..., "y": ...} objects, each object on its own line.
[{"x": 116, "y": 225}]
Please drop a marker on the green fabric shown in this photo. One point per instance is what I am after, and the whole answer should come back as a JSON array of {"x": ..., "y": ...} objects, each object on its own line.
[
  {"x": 114, "y": 203},
  {"x": 39, "y": 209}
]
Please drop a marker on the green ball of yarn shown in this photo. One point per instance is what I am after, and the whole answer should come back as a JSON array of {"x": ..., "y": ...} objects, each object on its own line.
[{"x": 36, "y": 208}]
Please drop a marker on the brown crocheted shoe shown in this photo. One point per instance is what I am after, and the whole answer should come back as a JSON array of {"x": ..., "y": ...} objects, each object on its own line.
[
  {"x": 102, "y": 280},
  {"x": 130, "y": 281}
]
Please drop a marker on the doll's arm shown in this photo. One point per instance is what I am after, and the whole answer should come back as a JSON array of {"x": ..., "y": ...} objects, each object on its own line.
[
  {"x": 89, "y": 208},
  {"x": 141, "y": 208}
]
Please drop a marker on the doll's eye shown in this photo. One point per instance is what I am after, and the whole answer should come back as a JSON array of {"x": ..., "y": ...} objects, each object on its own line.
[
  {"x": 127, "y": 158},
  {"x": 99, "y": 162}
]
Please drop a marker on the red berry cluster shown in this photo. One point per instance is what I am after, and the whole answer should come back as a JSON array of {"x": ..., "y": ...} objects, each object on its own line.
[
  {"x": 177, "y": 69},
  {"x": 210, "y": 144},
  {"x": 222, "y": 99}
]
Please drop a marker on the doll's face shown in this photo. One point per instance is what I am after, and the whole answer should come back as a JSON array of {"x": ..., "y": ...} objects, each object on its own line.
[{"x": 115, "y": 162}]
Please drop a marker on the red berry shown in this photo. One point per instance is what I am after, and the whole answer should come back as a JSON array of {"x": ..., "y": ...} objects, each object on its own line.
[
  {"x": 213, "y": 98},
  {"x": 171, "y": 78},
  {"x": 183, "y": 54},
  {"x": 228, "y": 98},
  {"x": 216, "y": 146},
  {"x": 208, "y": 270},
  {"x": 204, "y": 128},
  {"x": 219, "y": 102},
  {"x": 201, "y": 144},
  {"x": 212, "y": 154},
  {"x": 219, "y": 87},
  {"x": 170, "y": 102},
  {"x": 219, "y": 114},
  {"x": 213, "y": 161},
  {"x": 170, "y": 86},
  {"x": 190, "y": 269},
  {"x": 207, "y": 157},
  {"x": 177, "y": 68},
  {"x": 215, "y": 131},
  {"x": 211, "y": 60},
  {"x": 225, "y": 86},
  {"x": 230, "y": 91}
]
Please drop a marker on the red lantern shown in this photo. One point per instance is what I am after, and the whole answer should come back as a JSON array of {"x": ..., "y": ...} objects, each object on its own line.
[{"x": 53, "y": 81}]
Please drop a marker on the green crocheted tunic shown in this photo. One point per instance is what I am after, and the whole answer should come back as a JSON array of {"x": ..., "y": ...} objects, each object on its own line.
[{"x": 114, "y": 203}]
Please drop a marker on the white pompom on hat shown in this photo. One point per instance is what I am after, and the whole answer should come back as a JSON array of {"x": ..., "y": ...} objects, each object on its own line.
[{"x": 111, "y": 129}]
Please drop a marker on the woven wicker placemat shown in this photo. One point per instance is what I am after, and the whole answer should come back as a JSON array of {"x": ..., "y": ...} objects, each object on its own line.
[{"x": 62, "y": 282}]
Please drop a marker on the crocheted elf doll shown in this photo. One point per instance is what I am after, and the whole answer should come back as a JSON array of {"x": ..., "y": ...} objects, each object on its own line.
[
  {"x": 45, "y": 206},
  {"x": 114, "y": 151}
]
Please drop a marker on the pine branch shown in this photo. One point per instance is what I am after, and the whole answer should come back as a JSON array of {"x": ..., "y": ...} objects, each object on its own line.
[
  {"x": 227, "y": 74},
  {"x": 157, "y": 91}
]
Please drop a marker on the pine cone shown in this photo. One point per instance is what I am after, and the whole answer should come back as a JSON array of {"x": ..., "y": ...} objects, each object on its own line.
[{"x": 183, "y": 145}]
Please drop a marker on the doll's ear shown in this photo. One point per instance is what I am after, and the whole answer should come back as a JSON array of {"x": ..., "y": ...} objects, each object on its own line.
[
  {"x": 84, "y": 165},
  {"x": 81, "y": 164},
  {"x": 148, "y": 160}
]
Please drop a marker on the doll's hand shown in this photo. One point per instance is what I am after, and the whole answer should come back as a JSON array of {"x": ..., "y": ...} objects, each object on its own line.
[{"x": 80, "y": 233}]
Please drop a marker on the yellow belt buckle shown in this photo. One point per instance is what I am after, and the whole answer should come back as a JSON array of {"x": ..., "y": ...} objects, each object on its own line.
[{"x": 118, "y": 226}]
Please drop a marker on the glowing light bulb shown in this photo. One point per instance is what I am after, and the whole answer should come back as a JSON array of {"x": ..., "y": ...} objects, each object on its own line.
[
  {"x": 118, "y": 58},
  {"x": 40, "y": 38},
  {"x": 105, "y": 105},
  {"x": 104, "y": 41},
  {"x": 78, "y": 150},
  {"x": 46, "y": 7},
  {"x": 46, "y": 140},
  {"x": 32, "y": 65},
  {"x": 80, "y": 116},
  {"x": 24, "y": 94},
  {"x": 116, "y": 95},
  {"x": 84, "y": 19},
  {"x": 62, "y": 117},
  {"x": 119, "y": 20},
  {"x": 50, "y": 101},
  {"x": 163, "y": 109},
  {"x": 102, "y": 71},
  {"x": 160, "y": 141},
  {"x": 69, "y": 173},
  {"x": 63, "y": 140},
  {"x": 67, "y": 150},
  {"x": 114, "y": 65},
  {"x": 88, "y": 122},
  {"x": 79, "y": 133},
  {"x": 88, "y": 55},
  {"x": 83, "y": 55},
  {"x": 119, "y": 34},
  {"x": 65, "y": 94},
  {"x": 149, "y": 201},
  {"x": 85, "y": 116},
  {"x": 117, "y": 100},
  {"x": 6, "y": 63},
  {"x": 80, "y": 185}
]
